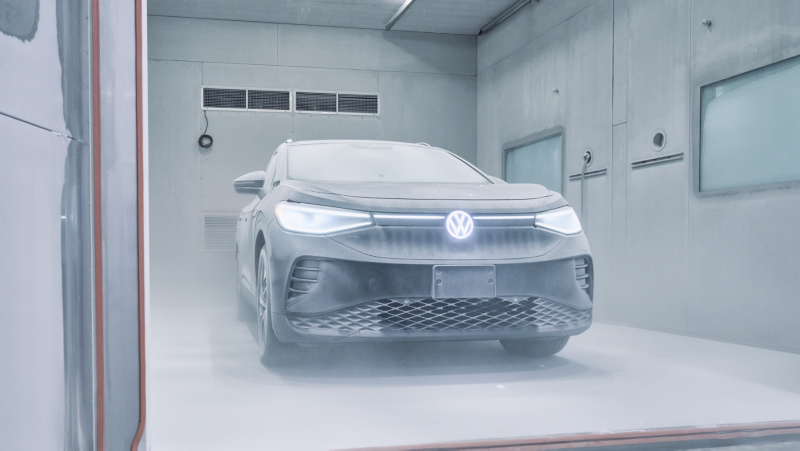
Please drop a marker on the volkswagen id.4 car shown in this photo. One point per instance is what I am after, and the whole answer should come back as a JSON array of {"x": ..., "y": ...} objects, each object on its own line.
[{"x": 375, "y": 241}]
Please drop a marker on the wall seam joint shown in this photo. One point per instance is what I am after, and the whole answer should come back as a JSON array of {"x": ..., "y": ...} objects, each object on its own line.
[{"x": 41, "y": 127}]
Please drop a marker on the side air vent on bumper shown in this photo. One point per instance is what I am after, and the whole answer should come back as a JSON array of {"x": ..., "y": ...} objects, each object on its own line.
[
  {"x": 305, "y": 278},
  {"x": 583, "y": 276}
]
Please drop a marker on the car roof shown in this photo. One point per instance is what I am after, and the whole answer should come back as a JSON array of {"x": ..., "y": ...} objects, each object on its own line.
[{"x": 333, "y": 141}]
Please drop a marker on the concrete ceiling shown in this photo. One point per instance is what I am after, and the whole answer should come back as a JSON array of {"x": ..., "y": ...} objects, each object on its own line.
[
  {"x": 431, "y": 16},
  {"x": 451, "y": 16}
]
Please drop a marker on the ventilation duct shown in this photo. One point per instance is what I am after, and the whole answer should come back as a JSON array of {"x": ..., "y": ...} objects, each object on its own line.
[
  {"x": 358, "y": 103},
  {"x": 246, "y": 99},
  {"x": 268, "y": 100},
  {"x": 219, "y": 231},
  {"x": 320, "y": 102},
  {"x": 235, "y": 99}
]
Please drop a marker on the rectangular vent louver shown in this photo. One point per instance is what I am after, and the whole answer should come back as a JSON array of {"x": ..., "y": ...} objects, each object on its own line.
[
  {"x": 268, "y": 100},
  {"x": 225, "y": 98},
  {"x": 582, "y": 275},
  {"x": 358, "y": 103},
  {"x": 305, "y": 277},
  {"x": 324, "y": 102},
  {"x": 219, "y": 231}
]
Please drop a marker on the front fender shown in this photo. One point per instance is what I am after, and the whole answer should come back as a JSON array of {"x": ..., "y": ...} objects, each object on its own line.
[{"x": 262, "y": 222}]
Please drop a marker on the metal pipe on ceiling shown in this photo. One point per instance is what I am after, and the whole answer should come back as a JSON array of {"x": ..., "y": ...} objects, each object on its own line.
[
  {"x": 398, "y": 14},
  {"x": 503, "y": 16}
]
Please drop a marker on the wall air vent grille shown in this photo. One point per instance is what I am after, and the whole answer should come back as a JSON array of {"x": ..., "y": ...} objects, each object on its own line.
[
  {"x": 235, "y": 99},
  {"x": 320, "y": 102},
  {"x": 358, "y": 103},
  {"x": 268, "y": 100},
  {"x": 219, "y": 231}
]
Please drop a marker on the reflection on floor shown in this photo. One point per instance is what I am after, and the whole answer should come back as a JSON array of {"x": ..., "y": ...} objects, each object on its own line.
[
  {"x": 787, "y": 446},
  {"x": 208, "y": 391}
]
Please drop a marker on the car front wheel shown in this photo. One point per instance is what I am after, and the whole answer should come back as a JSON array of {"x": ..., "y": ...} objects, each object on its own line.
[
  {"x": 273, "y": 351},
  {"x": 535, "y": 347}
]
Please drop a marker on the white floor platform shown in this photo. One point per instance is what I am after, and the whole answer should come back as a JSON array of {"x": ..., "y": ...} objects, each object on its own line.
[{"x": 208, "y": 391}]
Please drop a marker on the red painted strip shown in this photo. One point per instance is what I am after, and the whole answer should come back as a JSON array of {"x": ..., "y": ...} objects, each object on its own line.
[
  {"x": 140, "y": 223},
  {"x": 616, "y": 438},
  {"x": 98, "y": 228}
]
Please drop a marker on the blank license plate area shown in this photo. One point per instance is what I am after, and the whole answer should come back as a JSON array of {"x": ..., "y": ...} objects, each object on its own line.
[{"x": 464, "y": 282}]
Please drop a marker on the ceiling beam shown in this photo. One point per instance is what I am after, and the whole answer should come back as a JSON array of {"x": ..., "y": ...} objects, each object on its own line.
[
  {"x": 398, "y": 14},
  {"x": 504, "y": 15}
]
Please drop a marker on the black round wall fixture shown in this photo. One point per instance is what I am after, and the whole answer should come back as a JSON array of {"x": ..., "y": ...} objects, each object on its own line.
[
  {"x": 205, "y": 141},
  {"x": 588, "y": 156},
  {"x": 659, "y": 140}
]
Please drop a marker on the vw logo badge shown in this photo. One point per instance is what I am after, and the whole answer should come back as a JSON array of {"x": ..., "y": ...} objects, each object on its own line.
[{"x": 459, "y": 224}]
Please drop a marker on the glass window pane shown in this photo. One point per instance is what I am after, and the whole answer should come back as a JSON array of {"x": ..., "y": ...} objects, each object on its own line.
[
  {"x": 538, "y": 162},
  {"x": 749, "y": 132},
  {"x": 371, "y": 161}
]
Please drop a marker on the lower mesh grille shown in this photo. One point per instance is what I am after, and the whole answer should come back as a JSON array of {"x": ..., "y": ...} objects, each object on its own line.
[{"x": 447, "y": 314}]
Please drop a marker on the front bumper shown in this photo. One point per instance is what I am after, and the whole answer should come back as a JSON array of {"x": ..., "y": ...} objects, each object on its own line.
[{"x": 323, "y": 290}]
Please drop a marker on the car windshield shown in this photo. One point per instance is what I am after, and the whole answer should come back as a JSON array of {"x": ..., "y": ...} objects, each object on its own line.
[{"x": 378, "y": 162}]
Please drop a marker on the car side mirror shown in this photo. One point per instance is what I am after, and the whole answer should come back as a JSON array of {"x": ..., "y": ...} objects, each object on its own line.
[{"x": 252, "y": 183}]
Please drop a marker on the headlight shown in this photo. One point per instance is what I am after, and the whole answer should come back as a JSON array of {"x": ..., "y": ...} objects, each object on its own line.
[
  {"x": 316, "y": 220},
  {"x": 561, "y": 220}
]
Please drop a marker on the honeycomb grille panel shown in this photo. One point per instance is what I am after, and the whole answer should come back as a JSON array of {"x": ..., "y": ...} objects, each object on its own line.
[{"x": 446, "y": 314}]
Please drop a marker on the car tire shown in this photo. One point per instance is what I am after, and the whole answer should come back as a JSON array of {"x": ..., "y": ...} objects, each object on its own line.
[
  {"x": 535, "y": 347},
  {"x": 273, "y": 352}
]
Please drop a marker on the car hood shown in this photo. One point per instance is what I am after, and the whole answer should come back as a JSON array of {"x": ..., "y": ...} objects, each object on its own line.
[{"x": 424, "y": 191}]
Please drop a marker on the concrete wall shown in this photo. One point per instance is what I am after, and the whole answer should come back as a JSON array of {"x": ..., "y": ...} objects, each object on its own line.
[
  {"x": 427, "y": 88},
  {"x": 666, "y": 258},
  {"x": 46, "y": 395},
  {"x": 563, "y": 46}
]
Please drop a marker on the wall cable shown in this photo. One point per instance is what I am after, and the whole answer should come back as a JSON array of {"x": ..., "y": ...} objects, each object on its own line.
[{"x": 205, "y": 141}]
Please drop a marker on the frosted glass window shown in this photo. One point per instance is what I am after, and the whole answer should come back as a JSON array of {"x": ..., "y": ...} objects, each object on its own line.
[
  {"x": 538, "y": 162},
  {"x": 750, "y": 128}
]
